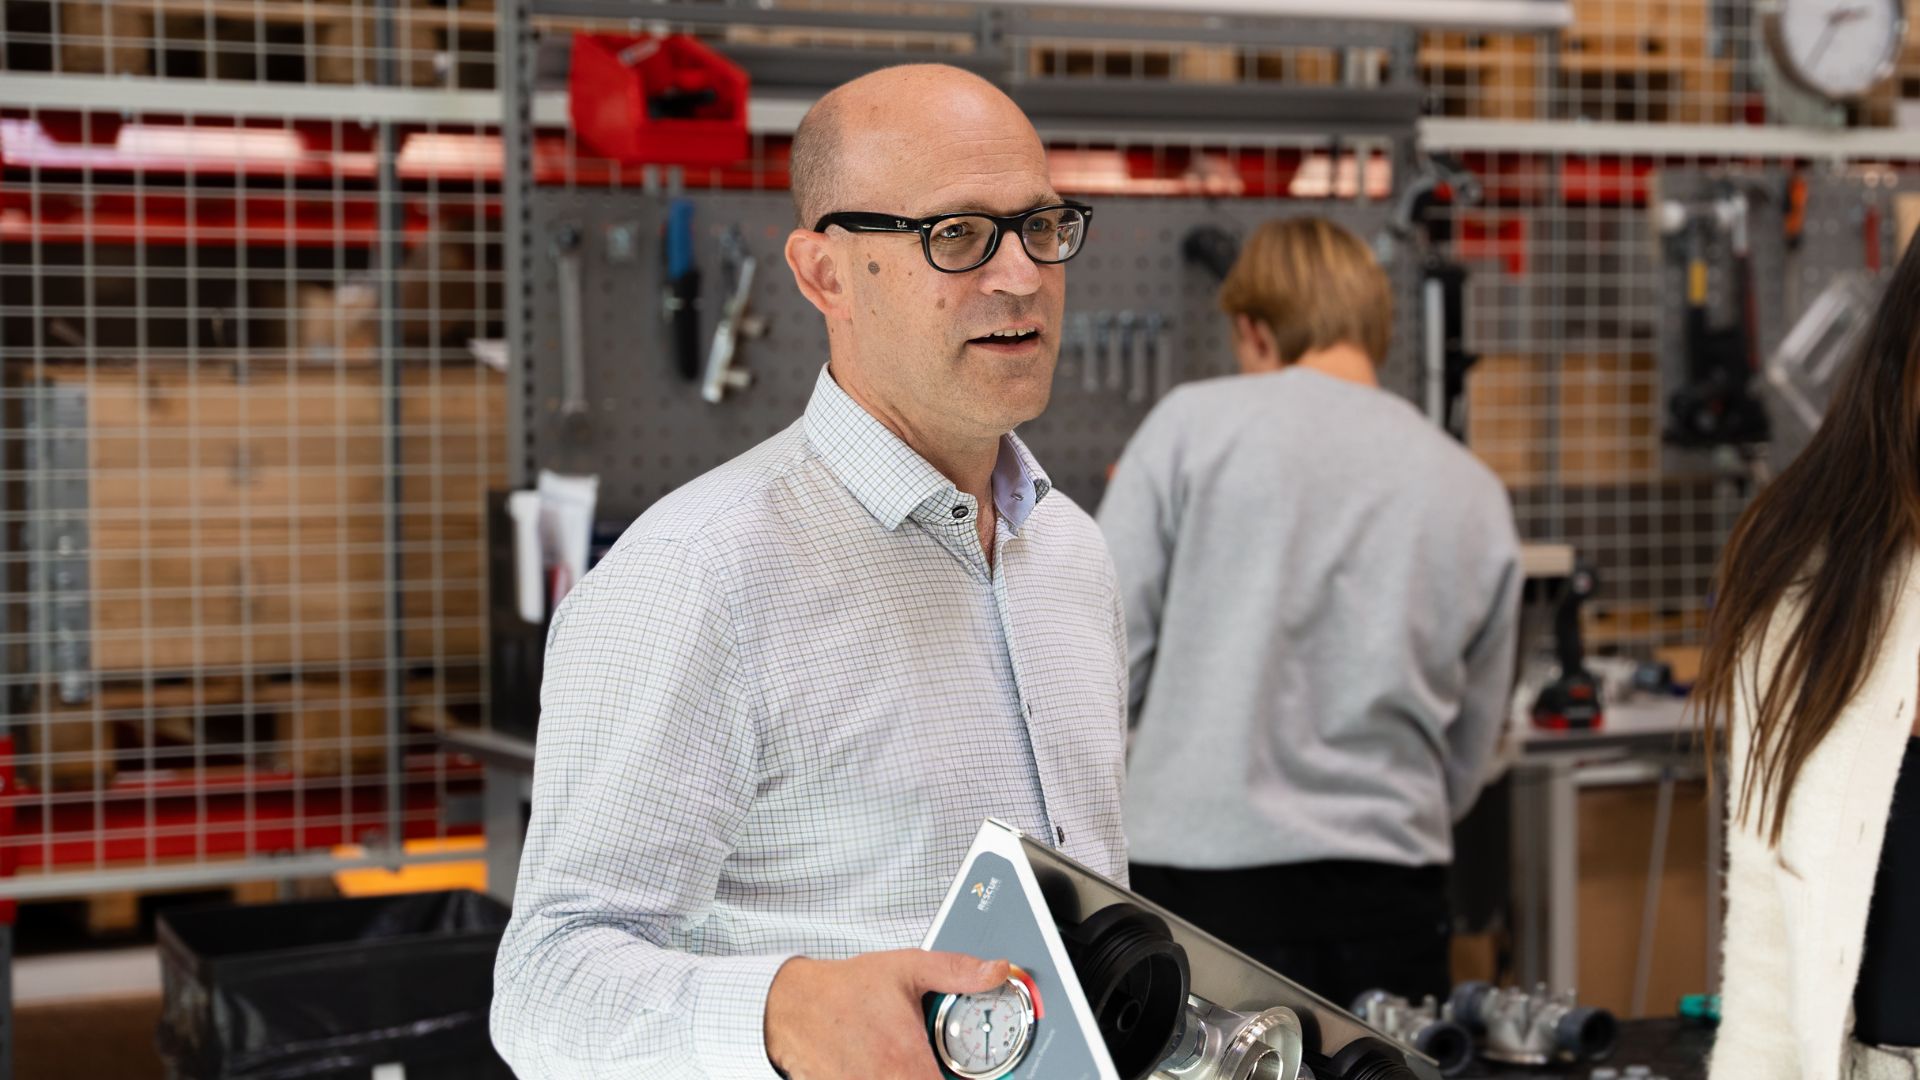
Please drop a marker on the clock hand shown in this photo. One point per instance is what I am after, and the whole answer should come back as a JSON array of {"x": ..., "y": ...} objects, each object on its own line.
[{"x": 1826, "y": 39}]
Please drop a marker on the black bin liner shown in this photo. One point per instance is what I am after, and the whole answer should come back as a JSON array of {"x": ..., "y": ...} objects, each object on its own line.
[{"x": 331, "y": 988}]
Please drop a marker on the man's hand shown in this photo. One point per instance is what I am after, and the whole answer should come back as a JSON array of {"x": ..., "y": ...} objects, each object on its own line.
[{"x": 834, "y": 1019}]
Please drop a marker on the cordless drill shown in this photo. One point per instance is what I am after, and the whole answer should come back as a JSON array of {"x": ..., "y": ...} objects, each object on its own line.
[{"x": 1571, "y": 702}]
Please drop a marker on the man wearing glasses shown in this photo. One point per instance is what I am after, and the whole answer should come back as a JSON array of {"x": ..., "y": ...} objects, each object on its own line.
[{"x": 775, "y": 715}]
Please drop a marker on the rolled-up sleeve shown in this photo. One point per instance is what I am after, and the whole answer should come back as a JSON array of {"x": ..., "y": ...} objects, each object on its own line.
[{"x": 645, "y": 770}]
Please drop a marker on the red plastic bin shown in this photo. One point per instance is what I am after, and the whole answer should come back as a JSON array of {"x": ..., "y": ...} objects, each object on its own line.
[{"x": 657, "y": 100}]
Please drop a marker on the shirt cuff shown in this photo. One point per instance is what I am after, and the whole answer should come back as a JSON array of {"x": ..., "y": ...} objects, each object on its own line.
[{"x": 730, "y": 1016}]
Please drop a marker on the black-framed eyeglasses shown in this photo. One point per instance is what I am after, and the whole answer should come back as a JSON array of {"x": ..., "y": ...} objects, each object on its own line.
[{"x": 957, "y": 243}]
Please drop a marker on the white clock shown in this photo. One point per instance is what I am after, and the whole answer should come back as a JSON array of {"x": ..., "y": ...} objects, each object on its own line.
[{"x": 1837, "y": 49}]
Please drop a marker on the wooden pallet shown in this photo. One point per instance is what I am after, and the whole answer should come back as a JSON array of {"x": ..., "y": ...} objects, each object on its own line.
[
  {"x": 238, "y": 523},
  {"x": 320, "y": 725},
  {"x": 1644, "y": 61},
  {"x": 1648, "y": 31},
  {"x": 101, "y": 38},
  {"x": 1638, "y": 625},
  {"x": 114, "y": 914},
  {"x": 1618, "y": 88},
  {"x": 1130, "y": 59},
  {"x": 1635, "y": 61},
  {"x": 120, "y": 912},
  {"x": 1482, "y": 76},
  {"x": 1605, "y": 407},
  {"x": 324, "y": 41}
]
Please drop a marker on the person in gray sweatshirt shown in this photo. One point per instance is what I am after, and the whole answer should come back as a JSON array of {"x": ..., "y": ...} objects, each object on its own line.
[{"x": 1321, "y": 592}]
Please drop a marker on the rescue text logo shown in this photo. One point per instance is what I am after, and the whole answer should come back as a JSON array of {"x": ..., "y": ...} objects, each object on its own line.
[{"x": 985, "y": 892}]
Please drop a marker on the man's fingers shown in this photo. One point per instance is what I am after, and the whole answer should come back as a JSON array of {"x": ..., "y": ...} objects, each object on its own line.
[{"x": 955, "y": 973}]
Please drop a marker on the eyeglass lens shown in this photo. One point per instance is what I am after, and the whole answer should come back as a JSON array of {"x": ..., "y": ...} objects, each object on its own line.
[{"x": 961, "y": 242}]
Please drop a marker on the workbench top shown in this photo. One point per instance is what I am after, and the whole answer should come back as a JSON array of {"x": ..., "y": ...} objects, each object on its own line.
[{"x": 1675, "y": 1049}]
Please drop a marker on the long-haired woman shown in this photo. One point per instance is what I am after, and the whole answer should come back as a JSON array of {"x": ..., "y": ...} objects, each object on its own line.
[{"x": 1810, "y": 679}]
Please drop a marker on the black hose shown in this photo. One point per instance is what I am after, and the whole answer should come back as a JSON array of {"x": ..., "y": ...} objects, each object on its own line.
[
  {"x": 1465, "y": 1004},
  {"x": 1136, "y": 980},
  {"x": 1448, "y": 1044},
  {"x": 1367, "y": 1059},
  {"x": 1586, "y": 1034}
]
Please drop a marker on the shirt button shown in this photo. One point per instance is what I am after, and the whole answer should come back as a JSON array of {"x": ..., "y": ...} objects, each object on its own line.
[
  {"x": 959, "y": 512},
  {"x": 1060, "y": 834}
]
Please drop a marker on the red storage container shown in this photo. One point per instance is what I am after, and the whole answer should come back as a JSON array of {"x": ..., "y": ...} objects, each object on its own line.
[{"x": 657, "y": 101}]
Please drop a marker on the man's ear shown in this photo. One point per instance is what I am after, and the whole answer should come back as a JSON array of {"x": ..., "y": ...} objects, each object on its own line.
[
  {"x": 810, "y": 256},
  {"x": 1266, "y": 343},
  {"x": 1242, "y": 330},
  {"x": 1253, "y": 345}
]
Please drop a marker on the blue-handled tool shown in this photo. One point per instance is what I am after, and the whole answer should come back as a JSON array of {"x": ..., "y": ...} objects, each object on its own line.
[{"x": 680, "y": 295}]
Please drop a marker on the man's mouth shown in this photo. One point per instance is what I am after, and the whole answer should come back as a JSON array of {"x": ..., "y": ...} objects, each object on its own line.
[{"x": 1008, "y": 338}]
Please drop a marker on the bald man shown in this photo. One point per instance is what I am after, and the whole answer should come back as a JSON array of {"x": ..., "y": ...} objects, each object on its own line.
[{"x": 775, "y": 715}]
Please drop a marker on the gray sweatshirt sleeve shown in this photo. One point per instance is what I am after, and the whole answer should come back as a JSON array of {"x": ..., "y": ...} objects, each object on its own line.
[
  {"x": 1137, "y": 516},
  {"x": 1472, "y": 737}
]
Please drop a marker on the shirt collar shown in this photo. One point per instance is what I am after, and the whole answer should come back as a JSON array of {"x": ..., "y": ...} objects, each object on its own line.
[
  {"x": 1018, "y": 482},
  {"x": 892, "y": 481}
]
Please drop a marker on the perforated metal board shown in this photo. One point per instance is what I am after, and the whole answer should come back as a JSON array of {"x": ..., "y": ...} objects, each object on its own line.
[
  {"x": 647, "y": 431},
  {"x": 1843, "y": 208}
]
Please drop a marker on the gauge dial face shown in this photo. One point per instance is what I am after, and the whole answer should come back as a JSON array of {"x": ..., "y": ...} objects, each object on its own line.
[
  {"x": 983, "y": 1036},
  {"x": 1838, "y": 48}
]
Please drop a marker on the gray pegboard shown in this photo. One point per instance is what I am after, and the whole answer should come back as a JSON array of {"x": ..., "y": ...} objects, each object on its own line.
[
  {"x": 647, "y": 431},
  {"x": 1765, "y": 189},
  {"x": 1786, "y": 279}
]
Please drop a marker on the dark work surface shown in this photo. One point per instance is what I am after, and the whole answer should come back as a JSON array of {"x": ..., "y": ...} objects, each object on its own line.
[{"x": 1675, "y": 1049}]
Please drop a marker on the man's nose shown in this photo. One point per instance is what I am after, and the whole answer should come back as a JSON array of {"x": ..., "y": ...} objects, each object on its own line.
[{"x": 1011, "y": 270}]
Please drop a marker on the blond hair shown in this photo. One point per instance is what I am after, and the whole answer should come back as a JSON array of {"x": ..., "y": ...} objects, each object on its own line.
[{"x": 1315, "y": 284}]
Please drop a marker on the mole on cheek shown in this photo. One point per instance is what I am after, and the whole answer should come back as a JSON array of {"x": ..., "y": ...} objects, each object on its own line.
[
  {"x": 942, "y": 304},
  {"x": 873, "y": 268}
]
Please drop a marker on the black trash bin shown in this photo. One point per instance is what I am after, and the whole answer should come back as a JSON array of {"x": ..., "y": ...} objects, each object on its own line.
[{"x": 332, "y": 988}]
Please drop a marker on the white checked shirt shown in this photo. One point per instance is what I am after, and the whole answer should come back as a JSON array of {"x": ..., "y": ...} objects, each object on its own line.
[{"x": 773, "y": 719}]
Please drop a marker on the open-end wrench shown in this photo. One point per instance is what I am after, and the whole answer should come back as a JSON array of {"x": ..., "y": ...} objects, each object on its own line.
[
  {"x": 1080, "y": 336},
  {"x": 1166, "y": 366},
  {"x": 1140, "y": 379},
  {"x": 1102, "y": 347},
  {"x": 1122, "y": 346}
]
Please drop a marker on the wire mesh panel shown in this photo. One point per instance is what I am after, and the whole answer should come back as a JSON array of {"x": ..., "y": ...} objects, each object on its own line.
[
  {"x": 443, "y": 44},
  {"x": 246, "y": 447},
  {"x": 1567, "y": 402},
  {"x": 1579, "y": 293},
  {"x": 1649, "y": 61}
]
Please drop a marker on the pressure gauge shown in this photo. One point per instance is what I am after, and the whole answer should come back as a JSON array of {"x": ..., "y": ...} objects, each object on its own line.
[
  {"x": 984, "y": 1036},
  {"x": 1838, "y": 49}
]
